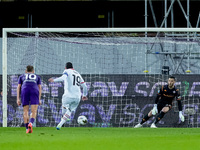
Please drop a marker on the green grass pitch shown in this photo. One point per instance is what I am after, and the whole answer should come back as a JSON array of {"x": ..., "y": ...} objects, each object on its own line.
[{"x": 100, "y": 139}]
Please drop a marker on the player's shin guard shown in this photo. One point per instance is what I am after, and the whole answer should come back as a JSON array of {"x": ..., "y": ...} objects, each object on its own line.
[
  {"x": 145, "y": 119},
  {"x": 159, "y": 117}
]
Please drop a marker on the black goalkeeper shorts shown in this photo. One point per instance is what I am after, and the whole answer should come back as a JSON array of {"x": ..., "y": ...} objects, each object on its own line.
[{"x": 160, "y": 106}]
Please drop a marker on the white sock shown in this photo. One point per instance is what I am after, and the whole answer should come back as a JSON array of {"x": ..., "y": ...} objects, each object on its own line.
[{"x": 65, "y": 117}]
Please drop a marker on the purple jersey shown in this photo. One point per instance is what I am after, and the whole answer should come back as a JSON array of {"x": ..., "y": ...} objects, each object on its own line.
[
  {"x": 29, "y": 88},
  {"x": 29, "y": 80}
]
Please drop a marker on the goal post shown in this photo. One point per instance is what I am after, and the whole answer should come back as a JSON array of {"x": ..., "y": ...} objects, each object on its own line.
[
  {"x": 121, "y": 66},
  {"x": 4, "y": 77}
]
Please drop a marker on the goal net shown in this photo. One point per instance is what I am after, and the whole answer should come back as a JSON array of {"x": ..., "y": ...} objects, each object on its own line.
[{"x": 122, "y": 67}]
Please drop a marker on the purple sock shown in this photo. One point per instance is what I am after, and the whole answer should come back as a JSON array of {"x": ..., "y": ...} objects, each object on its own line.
[
  {"x": 26, "y": 125},
  {"x": 32, "y": 120}
]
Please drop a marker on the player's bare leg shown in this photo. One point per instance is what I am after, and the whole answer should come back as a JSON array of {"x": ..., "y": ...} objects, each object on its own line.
[
  {"x": 160, "y": 116},
  {"x": 26, "y": 116},
  {"x": 32, "y": 117}
]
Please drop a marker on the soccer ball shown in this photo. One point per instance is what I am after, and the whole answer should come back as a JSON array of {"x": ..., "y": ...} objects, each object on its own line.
[{"x": 82, "y": 120}]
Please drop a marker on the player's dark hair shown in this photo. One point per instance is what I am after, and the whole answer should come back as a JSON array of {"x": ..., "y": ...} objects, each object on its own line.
[
  {"x": 69, "y": 65},
  {"x": 29, "y": 68},
  {"x": 172, "y": 77}
]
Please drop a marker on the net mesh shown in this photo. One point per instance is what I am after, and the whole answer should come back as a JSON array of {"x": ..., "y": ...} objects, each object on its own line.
[{"x": 123, "y": 72}]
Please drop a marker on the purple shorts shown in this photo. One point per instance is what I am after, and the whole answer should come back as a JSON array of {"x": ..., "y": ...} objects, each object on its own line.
[{"x": 30, "y": 96}]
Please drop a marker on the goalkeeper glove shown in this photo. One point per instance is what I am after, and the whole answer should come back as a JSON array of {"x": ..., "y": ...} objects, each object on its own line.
[
  {"x": 154, "y": 110},
  {"x": 181, "y": 116}
]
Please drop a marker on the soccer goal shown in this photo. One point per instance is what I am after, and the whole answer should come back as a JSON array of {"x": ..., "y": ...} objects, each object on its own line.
[{"x": 122, "y": 67}]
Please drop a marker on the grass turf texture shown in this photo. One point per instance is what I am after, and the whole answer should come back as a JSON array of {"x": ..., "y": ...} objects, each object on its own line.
[{"x": 100, "y": 139}]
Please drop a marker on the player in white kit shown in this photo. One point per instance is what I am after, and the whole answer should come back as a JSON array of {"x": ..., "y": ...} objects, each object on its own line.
[{"x": 72, "y": 92}]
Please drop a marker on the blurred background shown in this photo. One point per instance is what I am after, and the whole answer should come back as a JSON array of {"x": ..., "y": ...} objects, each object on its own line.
[{"x": 90, "y": 13}]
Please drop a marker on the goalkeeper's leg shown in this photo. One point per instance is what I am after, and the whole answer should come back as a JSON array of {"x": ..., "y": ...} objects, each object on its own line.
[
  {"x": 149, "y": 115},
  {"x": 146, "y": 117},
  {"x": 160, "y": 116}
]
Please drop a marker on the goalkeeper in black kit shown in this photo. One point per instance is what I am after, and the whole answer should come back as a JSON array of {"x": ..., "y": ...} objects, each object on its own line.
[{"x": 163, "y": 103}]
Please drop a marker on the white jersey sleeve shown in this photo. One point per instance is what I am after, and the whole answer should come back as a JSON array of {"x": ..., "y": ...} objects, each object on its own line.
[
  {"x": 62, "y": 78},
  {"x": 84, "y": 88}
]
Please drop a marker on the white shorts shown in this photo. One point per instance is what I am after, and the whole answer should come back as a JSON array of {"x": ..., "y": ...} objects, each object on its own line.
[{"x": 70, "y": 103}]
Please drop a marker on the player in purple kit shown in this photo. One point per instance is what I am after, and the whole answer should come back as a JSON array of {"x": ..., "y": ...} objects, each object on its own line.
[{"x": 29, "y": 87}]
